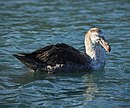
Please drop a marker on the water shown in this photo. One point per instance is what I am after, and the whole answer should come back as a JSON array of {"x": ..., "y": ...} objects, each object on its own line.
[{"x": 26, "y": 25}]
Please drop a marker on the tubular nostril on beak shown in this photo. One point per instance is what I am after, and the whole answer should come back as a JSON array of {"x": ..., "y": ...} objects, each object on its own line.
[{"x": 98, "y": 40}]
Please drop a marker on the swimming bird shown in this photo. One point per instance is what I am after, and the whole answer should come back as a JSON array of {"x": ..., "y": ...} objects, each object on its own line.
[{"x": 65, "y": 58}]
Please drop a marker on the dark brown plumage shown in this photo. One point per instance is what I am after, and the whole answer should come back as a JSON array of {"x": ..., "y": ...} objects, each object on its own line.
[{"x": 52, "y": 55}]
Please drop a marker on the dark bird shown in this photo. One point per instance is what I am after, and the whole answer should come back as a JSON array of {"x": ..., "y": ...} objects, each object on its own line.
[{"x": 62, "y": 57}]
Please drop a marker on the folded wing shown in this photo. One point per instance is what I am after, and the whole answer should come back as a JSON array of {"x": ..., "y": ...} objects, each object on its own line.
[{"x": 58, "y": 54}]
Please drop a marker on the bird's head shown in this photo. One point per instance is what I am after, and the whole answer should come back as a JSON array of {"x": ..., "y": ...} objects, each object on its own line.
[{"x": 96, "y": 37}]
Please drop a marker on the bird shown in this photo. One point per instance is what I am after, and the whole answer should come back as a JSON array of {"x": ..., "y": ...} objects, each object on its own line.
[{"x": 61, "y": 57}]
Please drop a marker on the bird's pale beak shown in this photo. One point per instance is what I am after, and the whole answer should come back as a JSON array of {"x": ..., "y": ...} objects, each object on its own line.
[{"x": 105, "y": 45}]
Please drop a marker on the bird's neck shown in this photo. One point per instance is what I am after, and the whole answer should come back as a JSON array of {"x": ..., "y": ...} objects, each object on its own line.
[
  {"x": 90, "y": 48},
  {"x": 92, "y": 51},
  {"x": 96, "y": 54}
]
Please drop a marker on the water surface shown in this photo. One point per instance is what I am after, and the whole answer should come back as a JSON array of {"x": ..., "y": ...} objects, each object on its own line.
[{"x": 28, "y": 25}]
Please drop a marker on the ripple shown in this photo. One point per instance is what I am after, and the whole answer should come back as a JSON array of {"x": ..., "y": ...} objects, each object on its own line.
[{"x": 30, "y": 25}]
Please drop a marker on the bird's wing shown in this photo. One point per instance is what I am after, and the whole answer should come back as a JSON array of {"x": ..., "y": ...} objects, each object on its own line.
[{"x": 58, "y": 54}]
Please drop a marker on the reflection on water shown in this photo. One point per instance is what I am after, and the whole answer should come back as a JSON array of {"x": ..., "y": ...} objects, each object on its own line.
[
  {"x": 56, "y": 90},
  {"x": 28, "y": 25}
]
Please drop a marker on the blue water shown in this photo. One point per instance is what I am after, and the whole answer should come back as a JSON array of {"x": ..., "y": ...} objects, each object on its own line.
[{"x": 26, "y": 25}]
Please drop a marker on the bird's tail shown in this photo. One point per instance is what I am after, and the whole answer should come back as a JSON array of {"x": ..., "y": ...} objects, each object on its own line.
[
  {"x": 25, "y": 59},
  {"x": 20, "y": 56}
]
